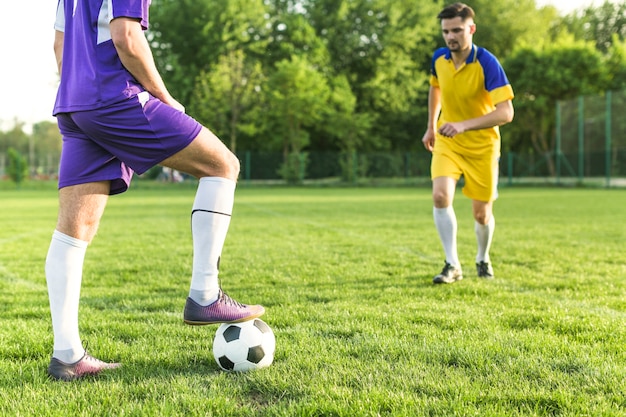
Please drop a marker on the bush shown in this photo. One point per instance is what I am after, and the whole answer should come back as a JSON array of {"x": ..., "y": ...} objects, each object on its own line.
[
  {"x": 294, "y": 167},
  {"x": 18, "y": 168}
]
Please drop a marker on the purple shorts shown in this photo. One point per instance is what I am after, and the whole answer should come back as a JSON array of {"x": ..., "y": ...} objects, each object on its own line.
[{"x": 110, "y": 143}]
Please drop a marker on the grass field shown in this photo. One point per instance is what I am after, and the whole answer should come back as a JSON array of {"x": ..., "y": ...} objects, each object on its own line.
[{"x": 345, "y": 275}]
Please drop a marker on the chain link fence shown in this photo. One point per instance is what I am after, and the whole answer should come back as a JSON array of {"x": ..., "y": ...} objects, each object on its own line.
[
  {"x": 589, "y": 148},
  {"x": 589, "y": 145}
]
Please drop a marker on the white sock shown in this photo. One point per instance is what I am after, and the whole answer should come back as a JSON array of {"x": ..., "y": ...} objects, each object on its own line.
[
  {"x": 445, "y": 221},
  {"x": 210, "y": 218},
  {"x": 484, "y": 237},
  {"x": 64, "y": 272}
]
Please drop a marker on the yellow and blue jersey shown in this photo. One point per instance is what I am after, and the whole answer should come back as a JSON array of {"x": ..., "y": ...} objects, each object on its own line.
[{"x": 467, "y": 92}]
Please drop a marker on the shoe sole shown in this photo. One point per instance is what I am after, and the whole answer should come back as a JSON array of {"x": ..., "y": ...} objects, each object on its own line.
[
  {"x": 241, "y": 320},
  {"x": 68, "y": 373},
  {"x": 441, "y": 281}
]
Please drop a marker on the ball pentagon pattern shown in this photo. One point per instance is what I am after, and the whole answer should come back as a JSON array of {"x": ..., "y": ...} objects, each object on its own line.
[{"x": 244, "y": 346}]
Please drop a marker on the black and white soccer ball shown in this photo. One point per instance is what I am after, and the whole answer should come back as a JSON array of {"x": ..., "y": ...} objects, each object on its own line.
[{"x": 244, "y": 346}]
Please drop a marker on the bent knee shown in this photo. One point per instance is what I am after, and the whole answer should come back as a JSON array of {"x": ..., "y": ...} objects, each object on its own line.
[
  {"x": 482, "y": 218},
  {"x": 483, "y": 215},
  {"x": 233, "y": 166},
  {"x": 441, "y": 198}
]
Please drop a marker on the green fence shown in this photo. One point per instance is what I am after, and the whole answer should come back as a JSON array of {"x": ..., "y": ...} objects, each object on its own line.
[
  {"x": 591, "y": 137},
  {"x": 599, "y": 168},
  {"x": 588, "y": 148}
]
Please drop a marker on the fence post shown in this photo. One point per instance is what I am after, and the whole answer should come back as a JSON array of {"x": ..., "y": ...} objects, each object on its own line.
[
  {"x": 581, "y": 138},
  {"x": 247, "y": 165},
  {"x": 355, "y": 167},
  {"x": 607, "y": 121},
  {"x": 510, "y": 166},
  {"x": 558, "y": 142},
  {"x": 407, "y": 162}
]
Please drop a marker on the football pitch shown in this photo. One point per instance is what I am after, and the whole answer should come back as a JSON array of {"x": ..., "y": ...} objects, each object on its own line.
[{"x": 345, "y": 275}]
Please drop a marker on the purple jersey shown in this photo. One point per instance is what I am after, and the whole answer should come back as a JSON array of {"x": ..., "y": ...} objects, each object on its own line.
[{"x": 92, "y": 75}]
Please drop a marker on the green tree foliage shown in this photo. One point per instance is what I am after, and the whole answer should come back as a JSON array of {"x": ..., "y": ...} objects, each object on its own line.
[
  {"x": 15, "y": 138},
  {"x": 44, "y": 148},
  {"x": 504, "y": 25},
  {"x": 297, "y": 95},
  {"x": 223, "y": 97},
  {"x": 18, "y": 167},
  {"x": 602, "y": 25},
  {"x": 383, "y": 48},
  {"x": 342, "y": 121},
  {"x": 291, "y": 34},
  {"x": 189, "y": 36},
  {"x": 352, "y": 75},
  {"x": 373, "y": 55},
  {"x": 348, "y": 128},
  {"x": 616, "y": 65},
  {"x": 544, "y": 76}
]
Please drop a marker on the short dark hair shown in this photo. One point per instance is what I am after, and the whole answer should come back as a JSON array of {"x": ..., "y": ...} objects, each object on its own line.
[{"x": 461, "y": 10}]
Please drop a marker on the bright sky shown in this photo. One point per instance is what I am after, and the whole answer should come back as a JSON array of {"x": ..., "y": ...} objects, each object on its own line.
[{"x": 28, "y": 74}]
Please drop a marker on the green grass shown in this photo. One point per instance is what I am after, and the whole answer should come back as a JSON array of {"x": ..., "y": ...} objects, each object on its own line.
[{"x": 345, "y": 276}]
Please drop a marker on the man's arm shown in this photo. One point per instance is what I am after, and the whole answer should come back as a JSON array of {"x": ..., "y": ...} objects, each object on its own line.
[
  {"x": 58, "y": 48},
  {"x": 136, "y": 55},
  {"x": 502, "y": 115},
  {"x": 434, "y": 107}
]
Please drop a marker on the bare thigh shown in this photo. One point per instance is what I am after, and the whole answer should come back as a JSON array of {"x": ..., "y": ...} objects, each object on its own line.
[
  {"x": 205, "y": 156},
  {"x": 81, "y": 208}
]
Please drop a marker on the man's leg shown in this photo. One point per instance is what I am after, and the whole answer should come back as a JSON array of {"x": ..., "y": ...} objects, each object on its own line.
[
  {"x": 80, "y": 210},
  {"x": 445, "y": 217},
  {"x": 446, "y": 224},
  {"x": 484, "y": 226},
  {"x": 217, "y": 169},
  {"x": 210, "y": 219}
]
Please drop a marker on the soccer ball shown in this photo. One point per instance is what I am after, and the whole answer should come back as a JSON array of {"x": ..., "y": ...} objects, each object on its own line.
[{"x": 244, "y": 346}]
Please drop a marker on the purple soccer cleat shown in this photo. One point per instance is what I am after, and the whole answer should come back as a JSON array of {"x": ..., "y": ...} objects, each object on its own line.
[
  {"x": 224, "y": 310},
  {"x": 87, "y": 365}
]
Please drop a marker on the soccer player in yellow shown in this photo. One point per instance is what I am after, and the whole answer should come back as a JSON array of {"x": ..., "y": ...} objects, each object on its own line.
[{"x": 469, "y": 98}]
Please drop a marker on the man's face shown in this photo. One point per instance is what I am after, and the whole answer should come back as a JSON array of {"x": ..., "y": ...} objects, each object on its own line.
[{"x": 458, "y": 33}]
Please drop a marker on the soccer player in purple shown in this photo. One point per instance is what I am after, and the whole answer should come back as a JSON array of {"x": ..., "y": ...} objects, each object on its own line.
[{"x": 117, "y": 117}]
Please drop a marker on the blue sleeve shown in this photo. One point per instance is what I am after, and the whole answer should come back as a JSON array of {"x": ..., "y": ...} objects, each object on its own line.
[{"x": 494, "y": 73}]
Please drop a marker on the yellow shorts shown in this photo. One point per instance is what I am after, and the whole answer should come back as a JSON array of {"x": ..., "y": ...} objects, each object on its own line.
[{"x": 480, "y": 174}]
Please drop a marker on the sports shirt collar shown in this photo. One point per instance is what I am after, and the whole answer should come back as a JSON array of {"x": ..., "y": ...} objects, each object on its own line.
[{"x": 470, "y": 58}]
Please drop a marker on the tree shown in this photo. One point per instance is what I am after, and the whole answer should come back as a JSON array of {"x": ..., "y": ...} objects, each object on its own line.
[
  {"x": 44, "y": 148},
  {"x": 347, "y": 127},
  {"x": 616, "y": 65},
  {"x": 291, "y": 34},
  {"x": 504, "y": 25},
  {"x": 372, "y": 56},
  {"x": 541, "y": 78},
  {"x": 602, "y": 25},
  {"x": 224, "y": 95},
  {"x": 382, "y": 47},
  {"x": 15, "y": 138},
  {"x": 297, "y": 95},
  {"x": 189, "y": 36},
  {"x": 17, "y": 168}
]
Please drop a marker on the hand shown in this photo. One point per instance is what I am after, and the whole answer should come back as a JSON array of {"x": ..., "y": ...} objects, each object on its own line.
[
  {"x": 451, "y": 129},
  {"x": 171, "y": 101},
  {"x": 429, "y": 140}
]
